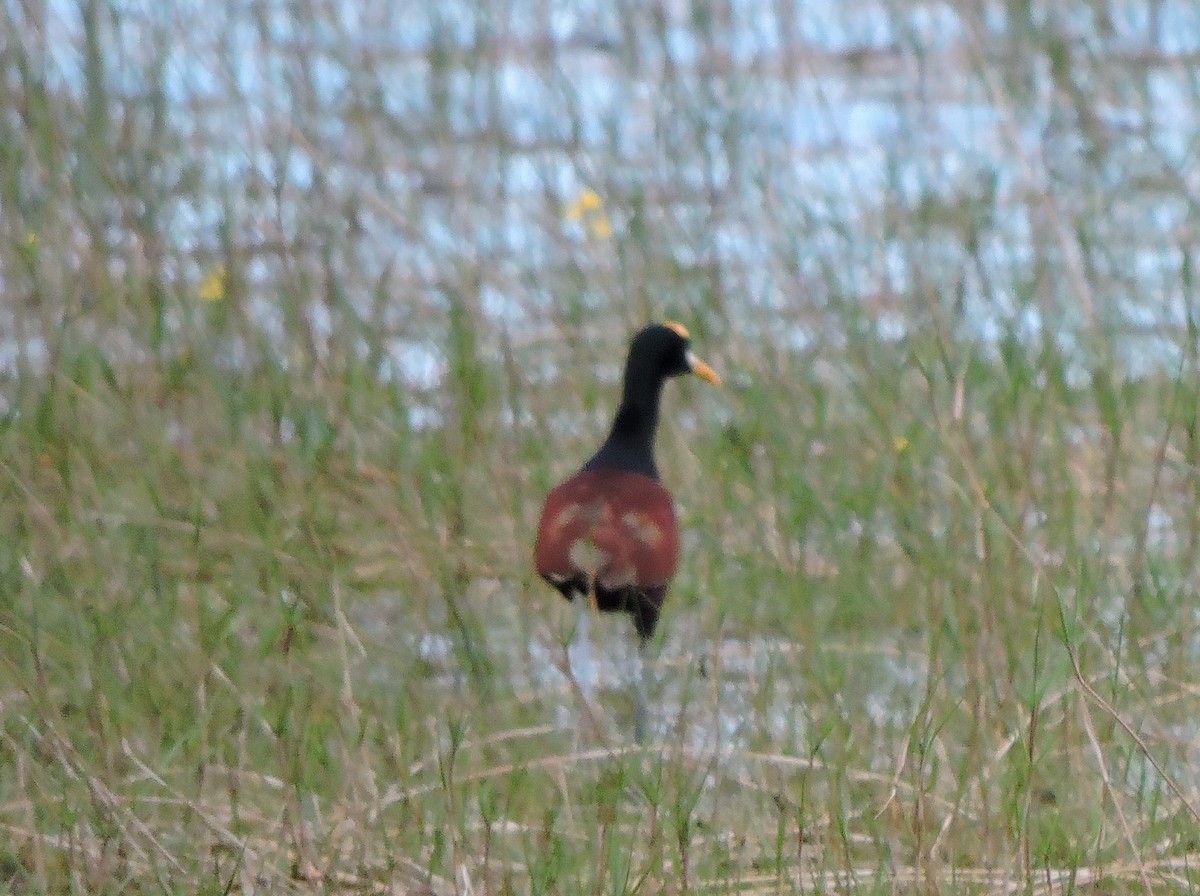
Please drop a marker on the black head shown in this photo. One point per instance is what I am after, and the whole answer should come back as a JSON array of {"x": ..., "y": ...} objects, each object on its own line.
[{"x": 660, "y": 351}]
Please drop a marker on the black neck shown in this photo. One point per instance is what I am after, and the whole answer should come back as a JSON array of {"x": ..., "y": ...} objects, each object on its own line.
[{"x": 630, "y": 442}]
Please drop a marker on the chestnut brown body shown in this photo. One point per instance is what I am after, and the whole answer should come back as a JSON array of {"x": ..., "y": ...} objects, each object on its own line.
[{"x": 610, "y": 536}]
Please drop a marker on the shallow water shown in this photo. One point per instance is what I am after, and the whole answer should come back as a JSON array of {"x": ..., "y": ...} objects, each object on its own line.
[{"x": 799, "y": 155}]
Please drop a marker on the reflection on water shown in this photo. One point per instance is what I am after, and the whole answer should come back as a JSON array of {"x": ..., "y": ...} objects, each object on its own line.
[
  {"x": 704, "y": 694},
  {"x": 1022, "y": 166}
]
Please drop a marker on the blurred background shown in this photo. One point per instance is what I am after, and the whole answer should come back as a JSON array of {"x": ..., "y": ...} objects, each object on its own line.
[{"x": 305, "y": 306}]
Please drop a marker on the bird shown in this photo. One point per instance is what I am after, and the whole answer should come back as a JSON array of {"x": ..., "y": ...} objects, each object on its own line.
[{"x": 608, "y": 537}]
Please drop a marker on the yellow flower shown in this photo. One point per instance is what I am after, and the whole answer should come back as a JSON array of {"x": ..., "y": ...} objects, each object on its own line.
[
  {"x": 588, "y": 201},
  {"x": 588, "y": 210},
  {"x": 213, "y": 287},
  {"x": 899, "y": 443},
  {"x": 31, "y": 240}
]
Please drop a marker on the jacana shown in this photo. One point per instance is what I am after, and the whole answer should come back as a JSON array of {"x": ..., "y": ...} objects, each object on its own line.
[{"x": 608, "y": 538}]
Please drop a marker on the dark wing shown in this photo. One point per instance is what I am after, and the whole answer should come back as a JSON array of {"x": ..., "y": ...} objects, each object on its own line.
[{"x": 611, "y": 527}]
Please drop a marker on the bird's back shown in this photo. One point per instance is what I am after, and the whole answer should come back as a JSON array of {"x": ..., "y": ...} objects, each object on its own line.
[{"x": 613, "y": 529}]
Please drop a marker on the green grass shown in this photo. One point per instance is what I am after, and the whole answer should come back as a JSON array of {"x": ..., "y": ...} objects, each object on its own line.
[
  {"x": 218, "y": 667},
  {"x": 268, "y": 621}
]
